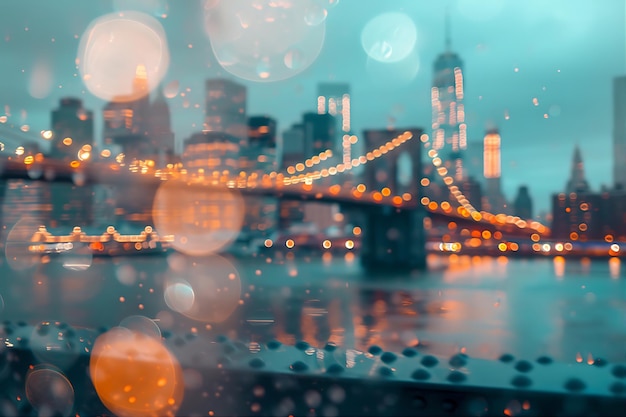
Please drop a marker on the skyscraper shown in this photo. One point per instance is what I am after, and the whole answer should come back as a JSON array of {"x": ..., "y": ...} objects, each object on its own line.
[
  {"x": 72, "y": 128},
  {"x": 523, "y": 204},
  {"x": 577, "y": 182},
  {"x": 334, "y": 99},
  {"x": 449, "y": 131},
  {"x": 159, "y": 127},
  {"x": 619, "y": 132},
  {"x": 225, "y": 108},
  {"x": 128, "y": 115},
  {"x": 320, "y": 133},
  {"x": 495, "y": 201}
]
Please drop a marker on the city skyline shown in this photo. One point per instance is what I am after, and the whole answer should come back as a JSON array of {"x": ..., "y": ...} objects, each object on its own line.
[{"x": 524, "y": 76}]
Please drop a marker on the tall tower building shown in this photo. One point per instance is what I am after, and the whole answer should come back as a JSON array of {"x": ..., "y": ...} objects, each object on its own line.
[
  {"x": 449, "y": 131},
  {"x": 72, "y": 128},
  {"x": 320, "y": 133},
  {"x": 159, "y": 128},
  {"x": 225, "y": 108},
  {"x": 619, "y": 132},
  {"x": 577, "y": 182},
  {"x": 523, "y": 204},
  {"x": 495, "y": 201},
  {"x": 128, "y": 115},
  {"x": 334, "y": 99}
]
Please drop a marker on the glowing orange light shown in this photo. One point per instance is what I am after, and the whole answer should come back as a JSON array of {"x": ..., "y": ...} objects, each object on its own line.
[
  {"x": 326, "y": 244},
  {"x": 290, "y": 243},
  {"x": 134, "y": 374},
  {"x": 385, "y": 192}
]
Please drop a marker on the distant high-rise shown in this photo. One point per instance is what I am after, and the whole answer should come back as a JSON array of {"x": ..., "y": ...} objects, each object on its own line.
[
  {"x": 523, "y": 204},
  {"x": 159, "y": 127},
  {"x": 72, "y": 128},
  {"x": 619, "y": 132},
  {"x": 225, "y": 108},
  {"x": 334, "y": 99},
  {"x": 577, "y": 182},
  {"x": 320, "y": 133},
  {"x": 449, "y": 131},
  {"x": 262, "y": 132},
  {"x": 212, "y": 152},
  {"x": 123, "y": 117},
  {"x": 492, "y": 171}
]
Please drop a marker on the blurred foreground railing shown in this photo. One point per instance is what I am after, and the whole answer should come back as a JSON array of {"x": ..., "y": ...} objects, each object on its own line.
[{"x": 49, "y": 370}]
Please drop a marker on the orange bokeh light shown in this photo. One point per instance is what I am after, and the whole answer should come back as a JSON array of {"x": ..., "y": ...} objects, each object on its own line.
[{"x": 134, "y": 374}]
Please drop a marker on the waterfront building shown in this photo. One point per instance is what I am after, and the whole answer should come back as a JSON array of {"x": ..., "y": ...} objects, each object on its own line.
[
  {"x": 579, "y": 216},
  {"x": 212, "y": 151},
  {"x": 291, "y": 152},
  {"x": 257, "y": 158},
  {"x": 72, "y": 129}
]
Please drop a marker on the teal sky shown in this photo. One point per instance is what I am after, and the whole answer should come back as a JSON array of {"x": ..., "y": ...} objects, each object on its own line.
[{"x": 566, "y": 53}]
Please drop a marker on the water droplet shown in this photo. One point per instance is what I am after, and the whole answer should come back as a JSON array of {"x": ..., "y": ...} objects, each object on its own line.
[
  {"x": 315, "y": 15},
  {"x": 294, "y": 59},
  {"x": 49, "y": 392},
  {"x": 171, "y": 89},
  {"x": 143, "y": 325},
  {"x": 381, "y": 51}
]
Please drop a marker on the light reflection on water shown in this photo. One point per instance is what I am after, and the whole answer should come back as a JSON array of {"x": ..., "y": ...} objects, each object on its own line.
[{"x": 485, "y": 307}]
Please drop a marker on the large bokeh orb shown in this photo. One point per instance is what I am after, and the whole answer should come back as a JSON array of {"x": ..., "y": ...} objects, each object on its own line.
[
  {"x": 265, "y": 41},
  {"x": 203, "y": 219},
  {"x": 123, "y": 56},
  {"x": 206, "y": 289},
  {"x": 134, "y": 374},
  {"x": 389, "y": 37}
]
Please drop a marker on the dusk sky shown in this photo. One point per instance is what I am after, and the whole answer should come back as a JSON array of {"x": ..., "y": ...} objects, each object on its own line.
[{"x": 563, "y": 53}]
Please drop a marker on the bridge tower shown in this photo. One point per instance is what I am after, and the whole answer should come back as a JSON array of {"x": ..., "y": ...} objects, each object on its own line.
[{"x": 393, "y": 238}]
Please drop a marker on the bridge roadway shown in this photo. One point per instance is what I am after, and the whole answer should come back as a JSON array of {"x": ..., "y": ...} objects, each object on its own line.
[
  {"x": 393, "y": 225},
  {"x": 101, "y": 173}
]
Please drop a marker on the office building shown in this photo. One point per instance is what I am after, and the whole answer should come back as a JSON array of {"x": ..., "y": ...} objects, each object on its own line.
[
  {"x": 334, "y": 99},
  {"x": 124, "y": 117},
  {"x": 225, "y": 108},
  {"x": 212, "y": 152},
  {"x": 577, "y": 182},
  {"x": 159, "y": 132},
  {"x": 72, "y": 128},
  {"x": 619, "y": 132},
  {"x": 523, "y": 203},
  {"x": 494, "y": 200},
  {"x": 320, "y": 133},
  {"x": 449, "y": 130}
]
